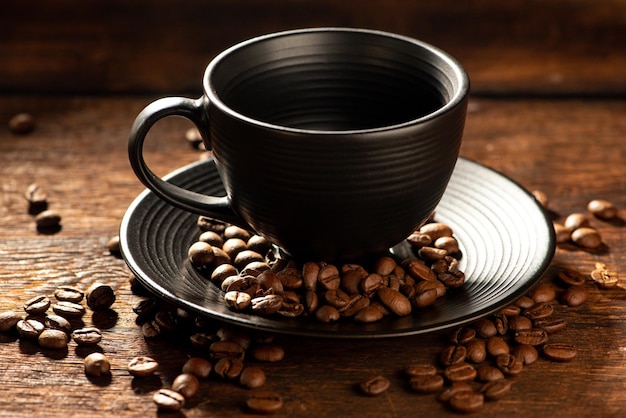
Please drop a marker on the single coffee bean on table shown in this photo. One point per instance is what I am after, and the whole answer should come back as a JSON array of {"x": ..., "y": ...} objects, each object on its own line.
[
  {"x": 8, "y": 320},
  {"x": 97, "y": 364},
  {"x": 264, "y": 401},
  {"x": 374, "y": 385},
  {"x": 87, "y": 336},
  {"x": 560, "y": 351},
  {"x": 186, "y": 384},
  {"x": 252, "y": 377},
  {"x": 198, "y": 366},
  {"x": 37, "y": 305},
  {"x": 168, "y": 400},
  {"x": 53, "y": 338},
  {"x": 69, "y": 294},
  {"x": 100, "y": 296},
  {"x": 142, "y": 366}
]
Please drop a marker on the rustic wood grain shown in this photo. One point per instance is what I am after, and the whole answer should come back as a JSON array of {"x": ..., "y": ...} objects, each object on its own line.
[
  {"x": 572, "y": 149},
  {"x": 560, "y": 47}
]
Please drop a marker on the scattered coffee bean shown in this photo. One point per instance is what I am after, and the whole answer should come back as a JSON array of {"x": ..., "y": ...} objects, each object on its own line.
[
  {"x": 168, "y": 400},
  {"x": 541, "y": 197},
  {"x": 8, "y": 320},
  {"x": 186, "y": 384},
  {"x": 58, "y": 322},
  {"x": 113, "y": 245},
  {"x": 539, "y": 310},
  {"x": 420, "y": 370},
  {"x": 142, "y": 366},
  {"x": 576, "y": 221},
  {"x": 87, "y": 336},
  {"x": 100, "y": 296},
  {"x": 53, "y": 338},
  {"x": 374, "y": 385},
  {"x": 485, "y": 328},
  {"x": 69, "y": 294},
  {"x": 395, "y": 301},
  {"x": 199, "y": 367},
  {"x": 497, "y": 346},
  {"x": 487, "y": 373},
  {"x": 453, "y": 389},
  {"x": 476, "y": 351},
  {"x": 525, "y": 353},
  {"x": 268, "y": 353},
  {"x": 571, "y": 277},
  {"x": 496, "y": 389},
  {"x": 68, "y": 309},
  {"x": 550, "y": 324},
  {"x": 426, "y": 384},
  {"x": 29, "y": 328},
  {"x": 264, "y": 402},
  {"x": 587, "y": 238},
  {"x": 48, "y": 220},
  {"x": 453, "y": 354},
  {"x": 602, "y": 209},
  {"x": 22, "y": 123},
  {"x": 36, "y": 198},
  {"x": 228, "y": 368},
  {"x": 97, "y": 364},
  {"x": 226, "y": 349},
  {"x": 509, "y": 364},
  {"x": 561, "y": 233},
  {"x": 559, "y": 351},
  {"x": 37, "y": 305},
  {"x": 150, "y": 329},
  {"x": 252, "y": 377},
  {"x": 460, "y": 372},
  {"x": 604, "y": 279},
  {"x": 467, "y": 401},
  {"x": 543, "y": 292},
  {"x": 534, "y": 336}
]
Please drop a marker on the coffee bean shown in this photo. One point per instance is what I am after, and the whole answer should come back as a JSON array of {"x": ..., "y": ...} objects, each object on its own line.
[
  {"x": 142, "y": 366},
  {"x": 511, "y": 311},
  {"x": 97, "y": 364},
  {"x": 501, "y": 322},
  {"x": 113, "y": 245},
  {"x": 100, "y": 296},
  {"x": 543, "y": 292},
  {"x": 534, "y": 336},
  {"x": 476, "y": 351},
  {"x": 424, "y": 298},
  {"x": 150, "y": 329},
  {"x": 460, "y": 372},
  {"x": 467, "y": 401},
  {"x": 550, "y": 324},
  {"x": 587, "y": 238},
  {"x": 147, "y": 308},
  {"x": 559, "y": 351},
  {"x": 268, "y": 353},
  {"x": 426, "y": 384},
  {"x": 48, "y": 220},
  {"x": 226, "y": 349},
  {"x": 575, "y": 221},
  {"x": 487, "y": 373},
  {"x": 87, "y": 336},
  {"x": 453, "y": 389},
  {"x": 418, "y": 270},
  {"x": 509, "y": 364},
  {"x": 68, "y": 309},
  {"x": 462, "y": 335},
  {"x": 58, "y": 322},
  {"x": 69, "y": 294},
  {"x": 435, "y": 230},
  {"x": 520, "y": 322},
  {"x": 384, "y": 266},
  {"x": 395, "y": 301},
  {"x": 266, "y": 305},
  {"x": 29, "y": 328},
  {"x": 496, "y": 389},
  {"x": 485, "y": 328},
  {"x": 571, "y": 277},
  {"x": 524, "y": 302},
  {"x": 496, "y": 346},
  {"x": 604, "y": 279},
  {"x": 201, "y": 254},
  {"x": 168, "y": 400},
  {"x": 245, "y": 257},
  {"x": 186, "y": 384},
  {"x": 36, "y": 198},
  {"x": 574, "y": 296},
  {"x": 374, "y": 385},
  {"x": 449, "y": 244},
  {"x": 602, "y": 209},
  {"x": 8, "y": 320},
  {"x": 22, "y": 123},
  {"x": 539, "y": 310},
  {"x": 228, "y": 368},
  {"x": 525, "y": 353},
  {"x": 541, "y": 197},
  {"x": 37, "y": 305},
  {"x": 259, "y": 244},
  {"x": 264, "y": 402},
  {"x": 453, "y": 354},
  {"x": 370, "y": 314},
  {"x": 420, "y": 370},
  {"x": 430, "y": 254},
  {"x": 237, "y": 301},
  {"x": 327, "y": 314},
  {"x": 562, "y": 234},
  {"x": 199, "y": 367},
  {"x": 418, "y": 239},
  {"x": 52, "y": 338}
]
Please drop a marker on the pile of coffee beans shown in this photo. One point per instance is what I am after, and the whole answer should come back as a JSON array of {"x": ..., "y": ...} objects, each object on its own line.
[{"x": 256, "y": 278}]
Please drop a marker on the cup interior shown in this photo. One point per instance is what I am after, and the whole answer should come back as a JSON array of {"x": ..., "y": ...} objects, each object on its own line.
[{"x": 333, "y": 80}]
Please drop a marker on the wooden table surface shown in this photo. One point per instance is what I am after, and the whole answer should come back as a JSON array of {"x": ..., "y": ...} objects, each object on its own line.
[{"x": 563, "y": 133}]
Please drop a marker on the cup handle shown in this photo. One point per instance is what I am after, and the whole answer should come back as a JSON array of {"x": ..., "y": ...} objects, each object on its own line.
[{"x": 193, "y": 110}]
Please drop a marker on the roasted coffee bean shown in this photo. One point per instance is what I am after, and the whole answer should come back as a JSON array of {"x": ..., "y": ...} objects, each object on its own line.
[
  {"x": 310, "y": 272},
  {"x": 543, "y": 292},
  {"x": 539, "y": 310},
  {"x": 524, "y": 302},
  {"x": 52, "y": 338},
  {"x": 571, "y": 277},
  {"x": 487, "y": 373},
  {"x": 424, "y": 298},
  {"x": 220, "y": 257},
  {"x": 167, "y": 321},
  {"x": 212, "y": 238},
  {"x": 452, "y": 279},
  {"x": 221, "y": 272},
  {"x": 268, "y": 353},
  {"x": 337, "y": 298},
  {"x": 462, "y": 335},
  {"x": 467, "y": 401},
  {"x": 370, "y": 314},
  {"x": 372, "y": 283},
  {"x": 574, "y": 296},
  {"x": 413, "y": 370},
  {"x": 150, "y": 329},
  {"x": 259, "y": 244},
  {"x": 37, "y": 305},
  {"x": 168, "y": 400},
  {"x": 395, "y": 301},
  {"x": 328, "y": 277},
  {"x": 206, "y": 223},
  {"x": 248, "y": 284},
  {"x": 418, "y": 270},
  {"x": 460, "y": 372},
  {"x": 328, "y": 313},
  {"x": 245, "y": 257},
  {"x": 525, "y": 353},
  {"x": 509, "y": 364},
  {"x": 264, "y": 402},
  {"x": 100, "y": 296},
  {"x": 37, "y": 199},
  {"x": 69, "y": 293},
  {"x": 602, "y": 209},
  {"x": 87, "y": 336},
  {"x": 550, "y": 324},
  {"x": 520, "y": 322},
  {"x": 418, "y": 239},
  {"x": 97, "y": 364},
  {"x": 237, "y": 301},
  {"x": 68, "y": 309},
  {"x": 226, "y": 349},
  {"x": 269, "y": 281},
  {"x": 562, "y": 234},
  {"x": 8, "y": 320},
  {"x": 453, "y": 389},
  {"x": 453, "y": 354},
  {"x": 496, "y": 346},
  {"x": 255, "y": 268},
  {"x": 559, "y": 351},
  {"x": 449, "y": 244},
  {"x": 142, "y": 366},
  {"x": 48, "y": 220},
  {"x": 424, "y": 285},
  {"x": 541, "y": 197},
  {"x": 476, "y": 351},
  {"x": 511, "y": 311},
  {"x": 496, "y": 389},
  {"x": 356, "y": 304},
  {"x": 384, "y": 266},
  {"x": 233, "y": 231},
  {"x": 435, "y": 230},
  {"x": 252, "y": 377},
  {"x": 587, "y": 238},
  {"x": 22, "y": 123},
  {"x": 186, "y": 384},
  {"x": 202, "y": 340},
  {"x": 604, "y": 279},
  {"x": 147, "y": 307},
  {"x": 291, "y": 278},
  {"x": 113, "y": 245},
  {"x": 485, "y": 328},
  {"x": 575, "y": 221},
  {"x": 430, "y": 254},
  {"x": 374, "y": 385},
  {"x": 535, "y": 336},
  {"x": 501, "y": 322},
  {"x": 199, "y": 367},
  {"x": 29, "y": 328},
  {"x": 426, "y": 384},
  {"x": 266, "y": 305},
  {"x": 201, "y": 254}
]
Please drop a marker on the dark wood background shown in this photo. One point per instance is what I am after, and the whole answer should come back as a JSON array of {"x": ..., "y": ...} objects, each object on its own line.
[{"x": 548, "y": 109}]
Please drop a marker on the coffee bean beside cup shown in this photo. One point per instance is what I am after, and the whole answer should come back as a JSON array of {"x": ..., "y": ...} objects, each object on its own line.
[{"x": 353, "y": 154}]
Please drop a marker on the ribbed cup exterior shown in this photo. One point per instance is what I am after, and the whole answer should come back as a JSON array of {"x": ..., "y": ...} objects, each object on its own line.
[{"x": 335, "y": 143}]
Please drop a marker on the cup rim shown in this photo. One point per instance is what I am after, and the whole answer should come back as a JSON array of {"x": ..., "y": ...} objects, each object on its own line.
[{"x": 461, "y": 91}]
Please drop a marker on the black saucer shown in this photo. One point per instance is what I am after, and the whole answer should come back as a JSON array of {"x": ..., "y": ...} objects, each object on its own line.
[{"x": 506, "y": 239}]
